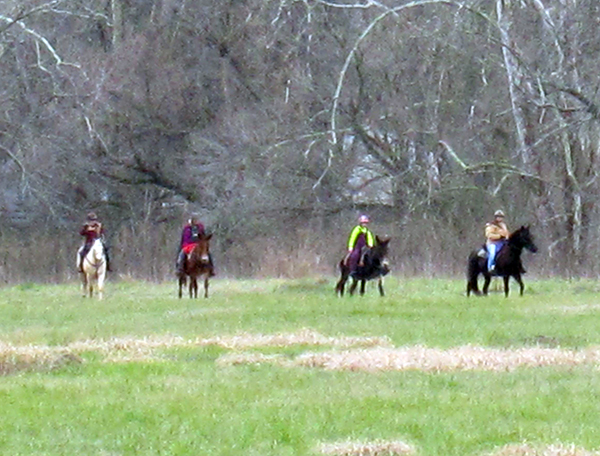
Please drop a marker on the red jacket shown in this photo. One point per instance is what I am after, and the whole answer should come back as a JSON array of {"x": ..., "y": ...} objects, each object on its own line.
[
  {"x": 190, "y": 234},
  {"x": 91, "y": 231}
]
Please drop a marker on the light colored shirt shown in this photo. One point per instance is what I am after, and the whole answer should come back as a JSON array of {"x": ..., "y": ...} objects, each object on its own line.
[{"x": 495, "y": 231}]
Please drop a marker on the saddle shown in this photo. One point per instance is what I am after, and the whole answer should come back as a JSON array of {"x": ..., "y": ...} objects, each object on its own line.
[{"x": 188, "y": 249}]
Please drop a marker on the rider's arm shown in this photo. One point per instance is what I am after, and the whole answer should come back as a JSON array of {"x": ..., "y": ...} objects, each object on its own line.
[
  {"x": 492, "y": 233},
  {"x": 370, "y": 238},
  {"x": 353, "y": 236}
]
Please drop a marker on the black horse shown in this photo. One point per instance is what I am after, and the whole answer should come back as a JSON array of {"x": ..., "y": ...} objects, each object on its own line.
[
  {"x": 374, "y": 267},
  {"x": 508, "y": 262}
]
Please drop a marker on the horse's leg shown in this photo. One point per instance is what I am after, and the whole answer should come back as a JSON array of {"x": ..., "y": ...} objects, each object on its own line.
[
  {"x": 181, "y": 282},
  {"x": 486, "y": 283},
  {"x": 353, "y": 286},
  {"x": 194, "y": 287},
  {"x": 506, "y": 279},
  {"x": 339, "y": 288},
  {"x": 206, "y": 285},
  {"x": 101, "y": 277},
  {"x": 84, "y": 285},
  {"x": 380, "y": 286},
  {"x": 472, "y": 284},
  {"x": 90, "y": 280},
  {"x": 363, "y": 283},
  {"x": 520, "y": 282}
]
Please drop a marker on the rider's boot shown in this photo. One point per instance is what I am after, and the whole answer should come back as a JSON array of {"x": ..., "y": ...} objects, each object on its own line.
[
  {"x": 180, "y": 265},
  {"x": 108, "y": 262},
  {"x": 212, "y": 266}
]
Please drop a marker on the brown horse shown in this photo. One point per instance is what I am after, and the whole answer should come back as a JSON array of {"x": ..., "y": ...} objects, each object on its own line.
[
  {"x": 375, "y": 266},
  {"x": 197, "y": 264},
  {"x": 508, "y": 263}
]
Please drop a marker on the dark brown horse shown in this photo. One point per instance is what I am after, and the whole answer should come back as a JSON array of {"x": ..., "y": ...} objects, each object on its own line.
[
  {"x": 197, "y": 264},
  {"x": 508, "y": 263},
  {"x": 374, "y": 267}
]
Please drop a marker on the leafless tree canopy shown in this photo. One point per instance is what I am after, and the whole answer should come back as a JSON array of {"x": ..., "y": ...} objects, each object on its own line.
[{"x": 278, "y": 121}]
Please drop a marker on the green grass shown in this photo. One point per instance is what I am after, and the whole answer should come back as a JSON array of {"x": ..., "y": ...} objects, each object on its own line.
[{"x": 184, "y": 403}]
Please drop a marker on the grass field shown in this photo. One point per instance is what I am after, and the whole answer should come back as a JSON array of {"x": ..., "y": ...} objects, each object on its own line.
[{"x": 280, "y": 367}]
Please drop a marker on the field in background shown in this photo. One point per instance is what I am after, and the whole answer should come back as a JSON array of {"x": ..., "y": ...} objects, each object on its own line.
[{"x": 280, "y": 367}]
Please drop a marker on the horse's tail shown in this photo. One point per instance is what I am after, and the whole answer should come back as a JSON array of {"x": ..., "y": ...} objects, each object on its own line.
[{"x": 473, "y": 270}]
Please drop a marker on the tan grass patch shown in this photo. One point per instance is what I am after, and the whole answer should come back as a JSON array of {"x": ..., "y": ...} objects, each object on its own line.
[
  {"x": 302, "y": 337},
  {"x": 236, "y": 359},
  {"x": 552, "y": 450},
  {"x": 127, "y": 349},
  {"x": 466, "y": 358},
  {"x": 378, "y": 448},
  {"x": 455, "y": 359},
  {"x": 577, "y": 310},
  {"x": 15, "y": 359}
]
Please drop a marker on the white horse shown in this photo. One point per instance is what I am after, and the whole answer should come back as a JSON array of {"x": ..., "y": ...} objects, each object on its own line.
[{"x": 94, "y": 269}]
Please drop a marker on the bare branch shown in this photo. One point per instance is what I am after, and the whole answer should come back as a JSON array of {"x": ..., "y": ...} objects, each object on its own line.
[
  {"x": 39, "y": 38},
  {"x": 363, "y": 36}
]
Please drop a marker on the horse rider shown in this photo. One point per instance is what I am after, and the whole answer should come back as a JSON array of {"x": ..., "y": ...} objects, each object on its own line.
[
  {"x": 190, "y": 234},
  {"x": 91, "y": 230},
  {"x": 496, "y": 235},
  {"x": 361, "y": 238}
]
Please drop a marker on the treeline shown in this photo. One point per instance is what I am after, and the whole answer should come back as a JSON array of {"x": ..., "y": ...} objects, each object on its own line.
[{"x": 279, "y": 121}]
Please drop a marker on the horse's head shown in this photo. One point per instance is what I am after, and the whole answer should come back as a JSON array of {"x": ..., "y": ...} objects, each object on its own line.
[
  {"x": 378, "y": 253},
  {"x": 201, "y": 251},
  {"x": 380, "y": 249},
  {"x": 523, "y": 238}
]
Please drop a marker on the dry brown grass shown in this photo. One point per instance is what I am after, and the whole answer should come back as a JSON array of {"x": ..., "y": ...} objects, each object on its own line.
[
  {"x": 576, "y": 310},
  {"x": 466, "y": 358},
  {"x": 551, "y": 450},
  {"x": 377, "y": 448},
  {"x": 350, "y": 353},
  {"x": 303, "y": 337},
  {"x": 15, "y": 359},
  {"x": 126, "y": 349},
  {"x": 455, "y": 359}
]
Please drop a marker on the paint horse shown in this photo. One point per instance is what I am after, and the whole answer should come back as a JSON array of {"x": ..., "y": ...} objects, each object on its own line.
[{"x": 94, "y": 270}]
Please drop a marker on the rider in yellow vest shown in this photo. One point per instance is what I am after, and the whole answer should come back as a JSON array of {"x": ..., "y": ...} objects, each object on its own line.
[
  {"x": 360, "y": 238},
  {"x": 496, "y": 235}
]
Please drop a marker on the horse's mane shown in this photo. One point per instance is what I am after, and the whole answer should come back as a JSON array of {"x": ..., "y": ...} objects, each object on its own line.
[
  {"x": 380, "y": 248},
  {"x": 518, "y": 233}
]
